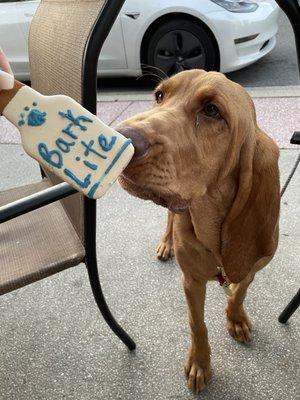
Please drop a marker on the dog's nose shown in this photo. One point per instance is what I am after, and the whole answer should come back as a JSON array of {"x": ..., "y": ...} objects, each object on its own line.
[{"x": 140, "y": 144}]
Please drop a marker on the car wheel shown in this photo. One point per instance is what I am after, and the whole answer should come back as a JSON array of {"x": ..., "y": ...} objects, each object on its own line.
[{"x": 180, "y": 45}]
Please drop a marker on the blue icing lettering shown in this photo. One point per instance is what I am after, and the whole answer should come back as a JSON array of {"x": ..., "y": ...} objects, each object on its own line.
[
  {"x": 63, "y": 145},
  {"x": 83, "y": 184},
  {"x": 118, "y": 155},
  {"x": 75, "y": 120},
  {"x": 90, "y": 165},
  {"x": 36, "y": 118},
  {"x": 105, "y": 146},
  {"x": 52, "y": 157},
  {"x": 93, "y": 189},
  {"x": 69, "y": 132},
  {"x": 89, "y": 148},
  {"x": 96, "y": 185}
]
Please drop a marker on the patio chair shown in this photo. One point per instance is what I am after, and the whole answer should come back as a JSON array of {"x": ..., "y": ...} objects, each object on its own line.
[
  {"x": 292, "y": 10},
  {"x": 48, "y": 228}
]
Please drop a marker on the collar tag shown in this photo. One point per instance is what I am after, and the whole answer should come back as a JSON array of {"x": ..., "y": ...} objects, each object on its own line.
[{"x": 224, "y": 281}]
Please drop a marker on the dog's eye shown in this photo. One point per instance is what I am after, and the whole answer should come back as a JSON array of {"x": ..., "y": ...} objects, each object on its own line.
[
  {"x": 211, "y": 110},
  {"x": 159, "y": 96}
]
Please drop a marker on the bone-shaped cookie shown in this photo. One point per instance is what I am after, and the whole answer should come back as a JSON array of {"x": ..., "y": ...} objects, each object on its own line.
[{"x": 66, "y": 138}]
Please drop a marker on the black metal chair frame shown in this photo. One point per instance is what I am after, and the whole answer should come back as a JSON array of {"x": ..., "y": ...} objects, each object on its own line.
[
  {"x": 98, "y": 35},
  {"x": 292, "y": 9}
]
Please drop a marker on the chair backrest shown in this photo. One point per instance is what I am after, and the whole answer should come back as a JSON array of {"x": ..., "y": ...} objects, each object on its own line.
[{"x": 63, "y": 57}]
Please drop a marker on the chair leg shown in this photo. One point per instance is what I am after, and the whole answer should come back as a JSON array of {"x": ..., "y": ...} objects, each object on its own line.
[
  {"x": 290, "y": 308},
  {"x": 103, "y": 307}
]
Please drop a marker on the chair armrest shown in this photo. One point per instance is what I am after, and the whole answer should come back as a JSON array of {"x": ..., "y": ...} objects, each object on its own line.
[{"x": 34, "y": 201}]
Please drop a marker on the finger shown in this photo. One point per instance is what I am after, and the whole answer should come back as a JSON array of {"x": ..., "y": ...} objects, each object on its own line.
[
  {"x": 6, "y": 81},
  {"x": 4, "y": 64}
]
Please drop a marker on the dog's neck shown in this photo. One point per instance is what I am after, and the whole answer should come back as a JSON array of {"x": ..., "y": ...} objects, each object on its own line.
[{"x": 209, "y": 210}]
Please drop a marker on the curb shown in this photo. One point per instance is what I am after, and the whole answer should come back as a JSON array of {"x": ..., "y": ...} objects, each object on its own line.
[{"x": 274, "y": 91}]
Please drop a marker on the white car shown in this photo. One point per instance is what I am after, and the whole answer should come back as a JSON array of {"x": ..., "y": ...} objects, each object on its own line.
[{"x": 171, "y": 35}]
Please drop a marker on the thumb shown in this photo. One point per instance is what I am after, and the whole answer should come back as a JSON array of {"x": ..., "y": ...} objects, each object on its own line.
[{"x": 7, "y": 81}]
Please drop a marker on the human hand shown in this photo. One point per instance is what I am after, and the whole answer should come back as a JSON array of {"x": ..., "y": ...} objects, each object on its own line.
[{"x": 6, "y": 74}]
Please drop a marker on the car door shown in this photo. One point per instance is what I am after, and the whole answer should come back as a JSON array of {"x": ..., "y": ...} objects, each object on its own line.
[
  {"x": 113, "y": 55},
  {"x": 11, "y": 35}
]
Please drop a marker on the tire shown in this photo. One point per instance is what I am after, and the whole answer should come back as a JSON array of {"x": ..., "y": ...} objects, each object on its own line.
[{"x": 178, "y": 45}]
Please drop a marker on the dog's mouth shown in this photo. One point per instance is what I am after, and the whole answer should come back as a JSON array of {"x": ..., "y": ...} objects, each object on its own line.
[{"x": 170, "y": 200}]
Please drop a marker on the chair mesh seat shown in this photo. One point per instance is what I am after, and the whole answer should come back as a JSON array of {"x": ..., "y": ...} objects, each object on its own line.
[{"x": 37, "y": 244}]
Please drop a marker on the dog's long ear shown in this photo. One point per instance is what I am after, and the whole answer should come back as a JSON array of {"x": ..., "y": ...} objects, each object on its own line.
[{"x": 248, "y": 231}]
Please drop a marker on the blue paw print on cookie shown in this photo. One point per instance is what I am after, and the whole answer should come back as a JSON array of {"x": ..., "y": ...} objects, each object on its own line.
[{"x": 34, "y": 116}]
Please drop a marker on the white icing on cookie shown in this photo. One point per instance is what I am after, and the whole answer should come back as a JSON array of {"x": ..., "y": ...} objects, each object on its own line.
[{"x": 70, "y": 141}]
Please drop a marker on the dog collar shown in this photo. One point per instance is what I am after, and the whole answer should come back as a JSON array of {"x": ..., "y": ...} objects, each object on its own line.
[{"x": 224, "y": 281}]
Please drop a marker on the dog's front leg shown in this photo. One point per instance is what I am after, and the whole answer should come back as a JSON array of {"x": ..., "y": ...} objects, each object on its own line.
[
  {"x": 238, "y": 323},
  {"x": 197, "y": 367}
]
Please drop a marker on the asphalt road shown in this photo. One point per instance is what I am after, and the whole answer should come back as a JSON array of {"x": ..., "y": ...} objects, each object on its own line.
[{"x": 278, "y": 68}]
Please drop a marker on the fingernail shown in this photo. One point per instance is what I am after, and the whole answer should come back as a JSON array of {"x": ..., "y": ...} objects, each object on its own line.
[{"x": 7, "y": 81}]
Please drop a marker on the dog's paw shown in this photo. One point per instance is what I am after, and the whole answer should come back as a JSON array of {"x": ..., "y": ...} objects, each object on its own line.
[
  {"x": 165, "y": 250},
  {"x": 197, "y": 375},
  {"x": 239, "y": 325}
]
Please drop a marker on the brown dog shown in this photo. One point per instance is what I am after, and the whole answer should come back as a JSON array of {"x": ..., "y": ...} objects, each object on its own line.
[{"x": 200, "y": 153}]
